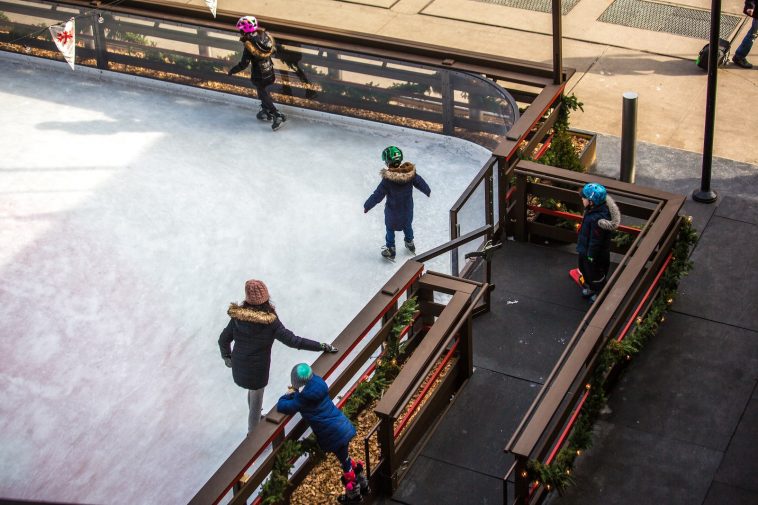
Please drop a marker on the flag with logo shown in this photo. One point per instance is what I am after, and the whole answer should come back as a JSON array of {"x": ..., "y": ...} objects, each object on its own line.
[
  {"x": 212, "y": 6},
  {"x": 64, "y": 37}
]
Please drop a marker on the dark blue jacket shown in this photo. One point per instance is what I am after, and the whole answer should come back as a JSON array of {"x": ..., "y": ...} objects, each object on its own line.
[
  {"x": 253, "y": 333},
  {"x": 397, "y": 185},
  {"x": 594, "y": 241},
  {"x": 332, "y": 429}
]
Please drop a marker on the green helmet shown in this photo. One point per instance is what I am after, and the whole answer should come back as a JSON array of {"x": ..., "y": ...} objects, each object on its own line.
[
  {"x": 300, "y": 375},
  {"x": 392, "y": 156}
]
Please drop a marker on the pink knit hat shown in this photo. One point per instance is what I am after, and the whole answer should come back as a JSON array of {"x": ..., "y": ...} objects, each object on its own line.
[{"x": 256, "y": 292}]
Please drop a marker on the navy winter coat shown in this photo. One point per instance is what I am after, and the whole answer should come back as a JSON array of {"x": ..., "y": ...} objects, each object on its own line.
[
  {"x": 593, "y": 240},
  {"x": 397, "y": 185},
  {"x": 332, "y": 429},
  {"x": 253, "y": 333}
]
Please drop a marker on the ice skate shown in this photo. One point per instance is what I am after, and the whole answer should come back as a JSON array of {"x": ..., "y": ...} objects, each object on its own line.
[
  {"x": 352, "y": 489},
  {"x": 279, "y": 120},
  {"x": 264, "y": 115},
  {"x": 410, "y": 246},
  {"x": 388, "y": 253},
  {"x": 360, "y": 477}
]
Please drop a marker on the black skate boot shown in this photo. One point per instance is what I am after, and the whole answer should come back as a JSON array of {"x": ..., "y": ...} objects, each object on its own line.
[
  {"x": 264, "y": 115},
  {"x": 410, "y": 246},
  {"x": 352, "y": 489},
  {"x": 360, "y": 477},
  {"x": 389, "y": 253},
  {"x": 279, "y": 120}
]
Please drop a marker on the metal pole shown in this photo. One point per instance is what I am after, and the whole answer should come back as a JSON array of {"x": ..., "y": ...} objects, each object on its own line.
[
  {"x": 557, "y": 36},
  {"x": 705, "y": 194},
  {"x": 628, "y": 136}
]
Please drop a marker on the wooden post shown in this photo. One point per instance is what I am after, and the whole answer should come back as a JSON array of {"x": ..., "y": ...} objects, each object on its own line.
[
  {"x": 519, "y": 211},
  {"x": 387, "y": 471}
]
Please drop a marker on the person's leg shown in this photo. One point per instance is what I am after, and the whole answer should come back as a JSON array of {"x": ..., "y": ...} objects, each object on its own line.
[
  {"x": 389, "y": 238},
  {"x": 747, "y": 43},
  {"x": 255, "y": 404},
  {"x": 344, "y": 458},
  {"x": 264, "y": 96}
]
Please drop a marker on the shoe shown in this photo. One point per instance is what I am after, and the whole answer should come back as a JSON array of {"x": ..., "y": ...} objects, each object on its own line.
[
  {"x": 279, "y": 120},
  {"x": 352, "y": 489},
  {"x": 593, "y": 298},
  {"x": 587, "y": 292},
  {"x": 388, "y": 252},
  {"x": 264, "y": 115},
  {"x": 410, "y": 246},
  {"x": 741, "y": 62}
]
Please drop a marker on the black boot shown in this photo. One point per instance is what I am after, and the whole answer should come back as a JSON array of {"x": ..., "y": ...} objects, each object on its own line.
[
  {"x": 360, "y": 477},
  {"x": 264, "y": 115},
  {"x": 389, "y": 253},
  {"x": 352, "y": 489}
]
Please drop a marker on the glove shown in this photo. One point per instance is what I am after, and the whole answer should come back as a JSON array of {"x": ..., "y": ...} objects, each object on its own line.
[
  {"x": 590, "y": 259},
  {"x": 365, "y": 211},
  {"x": 328, "y": 347},
  {"x": 228, "y": 362}
]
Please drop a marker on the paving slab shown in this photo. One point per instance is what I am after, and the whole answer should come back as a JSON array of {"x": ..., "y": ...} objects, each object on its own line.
[
  {"x": 738, "y": 209},
  {"x": 523, "y": 336},
  {"x": 644, "y": 468},
  {"x": 433, "y": 482},
  {"x": 497, "y": 403},
  {"x": 691, "y": 383},
  {"x": 740, "y": 464},
  {"x": 723, "y": 286}
]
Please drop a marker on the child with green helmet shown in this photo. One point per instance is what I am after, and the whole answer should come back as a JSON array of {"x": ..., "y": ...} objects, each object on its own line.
[
  {"x": 309, "y": 395},
  {"x": 398, "y": 180}
]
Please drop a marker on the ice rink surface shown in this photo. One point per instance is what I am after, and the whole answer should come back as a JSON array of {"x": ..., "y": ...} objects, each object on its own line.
[{"x": 130, "y": 216}]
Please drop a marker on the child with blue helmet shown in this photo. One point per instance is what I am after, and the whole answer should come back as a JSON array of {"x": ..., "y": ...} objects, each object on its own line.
[
  {"x": 593, "y": 244},
  {"x": 309, "y": 395}
]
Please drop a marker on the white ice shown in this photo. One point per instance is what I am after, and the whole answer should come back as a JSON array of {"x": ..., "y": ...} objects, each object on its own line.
[{"x": 130, "y": 216}]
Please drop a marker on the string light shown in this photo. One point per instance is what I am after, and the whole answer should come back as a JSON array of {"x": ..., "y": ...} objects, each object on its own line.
[
  {"x": 549, "y": 487},
  {"x": 639, "y": 320},
  {"x": 670, "y": 301},
  {"x": 578, "y": 452},
  {"x": 524, "y": 473},
  {"x": 587, "y": 386}
]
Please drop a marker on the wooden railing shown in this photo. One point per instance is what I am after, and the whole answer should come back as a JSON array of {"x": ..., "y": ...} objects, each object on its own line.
[{"x": 627, "y": 295}]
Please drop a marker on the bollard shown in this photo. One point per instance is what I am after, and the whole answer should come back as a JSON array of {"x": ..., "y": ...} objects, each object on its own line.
[{"x": 628, "y": 136}]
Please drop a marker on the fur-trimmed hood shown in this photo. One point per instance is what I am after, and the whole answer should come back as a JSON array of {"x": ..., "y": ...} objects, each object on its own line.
[
  {"x": 615, "y": 220},
  {"x": 404, "y": 173},
  {"x": 243, "y": 313},
  {"x": 255, "y": 50}
]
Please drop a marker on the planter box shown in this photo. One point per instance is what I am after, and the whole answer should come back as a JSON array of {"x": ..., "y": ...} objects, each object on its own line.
[{"x": 588, "y": 155}]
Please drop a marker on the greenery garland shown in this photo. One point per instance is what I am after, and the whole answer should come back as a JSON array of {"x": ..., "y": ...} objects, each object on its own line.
[
  {"x": 558, "y": 475},
  {"x": 387, "y": 367}
]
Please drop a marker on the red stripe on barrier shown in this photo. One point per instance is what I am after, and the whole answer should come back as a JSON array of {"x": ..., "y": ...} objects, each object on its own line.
[
  {"x": 644, "y": 298},
  {"x": 568, "y": 428}
]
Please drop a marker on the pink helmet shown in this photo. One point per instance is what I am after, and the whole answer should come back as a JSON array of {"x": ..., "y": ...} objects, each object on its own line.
[{"x": 247, "y": 24}]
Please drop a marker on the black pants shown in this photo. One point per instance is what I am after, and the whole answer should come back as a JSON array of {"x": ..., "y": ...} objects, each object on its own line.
[
  {"x": 595, "y": 272},
  {"x": 265, "y": 97}
]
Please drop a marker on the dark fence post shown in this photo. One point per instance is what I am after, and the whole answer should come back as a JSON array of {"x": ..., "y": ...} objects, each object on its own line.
[
  {"x": 628, "y": 136},
  {"x": 448, "y": 98},
  {"x": 521, "y": 478},
  {"x": 519, "y": 211},
  {"x": 101, "y": 49},
  {"x": 386, "y": 439}
]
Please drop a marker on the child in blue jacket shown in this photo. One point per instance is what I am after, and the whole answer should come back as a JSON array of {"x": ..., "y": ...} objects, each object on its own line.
[
  {"x": 333, "y": 430},
  {"x": 398, "y": 181},
  {"x": 594, "y": 242}
]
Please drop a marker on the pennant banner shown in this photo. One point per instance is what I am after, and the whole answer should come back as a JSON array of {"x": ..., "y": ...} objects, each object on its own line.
[
  {"x": 65, "y": 38},
  {"x": 212, "y": 6}
]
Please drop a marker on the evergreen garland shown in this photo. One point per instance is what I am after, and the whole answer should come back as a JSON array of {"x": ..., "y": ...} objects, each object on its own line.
[
  {"x": 558, "y": 475},
  {"x": 388, "y": 366}
]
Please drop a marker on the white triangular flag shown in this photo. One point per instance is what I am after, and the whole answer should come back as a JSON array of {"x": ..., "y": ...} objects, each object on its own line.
[
  {"x": 65, "y": 38},
  {"x": 212, "y": 6}
]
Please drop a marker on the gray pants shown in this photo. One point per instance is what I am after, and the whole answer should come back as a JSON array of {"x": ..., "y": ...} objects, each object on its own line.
[{"x": 255, "y": 403}]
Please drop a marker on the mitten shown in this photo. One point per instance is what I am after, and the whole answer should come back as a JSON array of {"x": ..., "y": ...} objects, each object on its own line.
[
  {"x": 228, "y": 362},
  {"x": 328, "y": 347}
]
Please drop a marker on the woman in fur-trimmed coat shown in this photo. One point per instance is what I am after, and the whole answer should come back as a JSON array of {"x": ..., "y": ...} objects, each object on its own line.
[
  {"x": 253, "y": 326},
  {"x": 398, "y": 181}
]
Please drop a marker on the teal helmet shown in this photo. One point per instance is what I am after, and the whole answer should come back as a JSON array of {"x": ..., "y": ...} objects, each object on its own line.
[
  {"x": 594, "y": 192},
  {"x": 300, "y": 375},
  {"x": 392, "y": 156}
]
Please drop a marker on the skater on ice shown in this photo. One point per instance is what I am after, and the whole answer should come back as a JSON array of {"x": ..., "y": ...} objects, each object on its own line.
[
  {"x": 593, "y": 244},
  {"x": 259, "y": 46},
  {"x": 253, "y": 326},
  {"x": 333, "y": 430},
  {"x": 398, "y": 181}
]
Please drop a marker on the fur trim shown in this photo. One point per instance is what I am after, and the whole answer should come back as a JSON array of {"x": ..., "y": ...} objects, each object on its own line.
[
  {"x": 404, "y": 173},
  {"x": 615, "y": 221},
  {"x": 251, "y": 316},
  {"x": 250, "y": 47}
]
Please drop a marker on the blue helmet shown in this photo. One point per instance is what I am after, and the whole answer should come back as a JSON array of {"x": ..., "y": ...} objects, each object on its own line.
[
  {"x": 300, "y": 375},
  {"x": 594, "y": 192}
]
